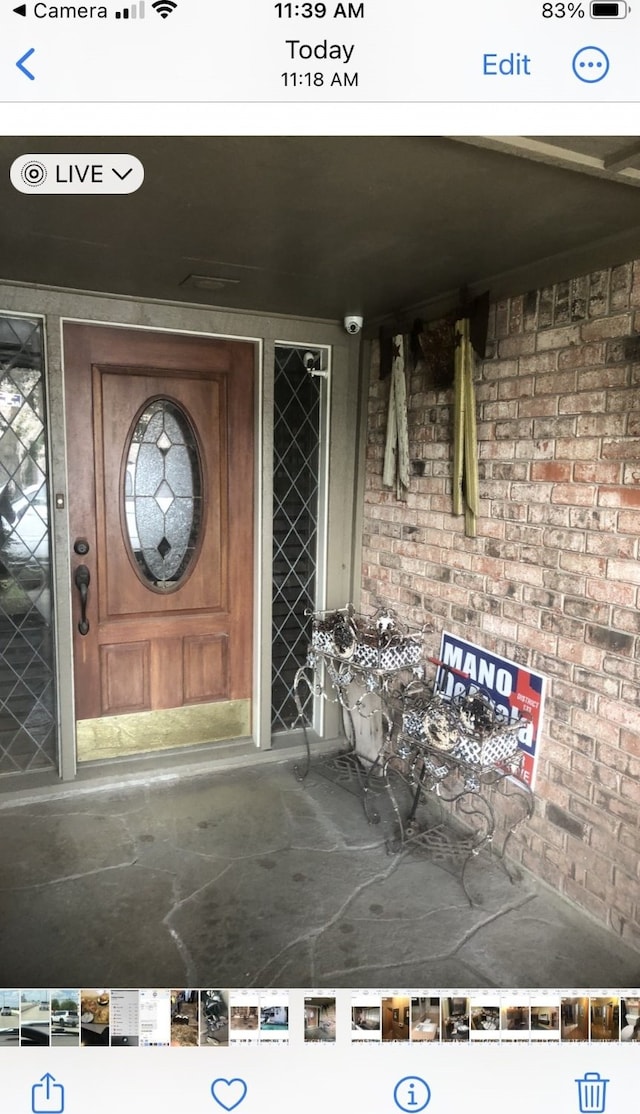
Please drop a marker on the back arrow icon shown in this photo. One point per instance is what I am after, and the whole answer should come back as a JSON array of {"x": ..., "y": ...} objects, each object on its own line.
[{"x": 22, "y": 67}]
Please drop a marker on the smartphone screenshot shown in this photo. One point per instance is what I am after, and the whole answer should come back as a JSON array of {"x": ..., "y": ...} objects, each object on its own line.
[{"x": 319, "y": 551}]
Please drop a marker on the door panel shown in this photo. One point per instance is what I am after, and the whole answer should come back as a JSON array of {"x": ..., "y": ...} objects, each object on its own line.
[
  {"x": 124, "y": 676},
  {"x": 206, "y": 667},
  {"x": 156, "y": 643},
  {"x": 120, "y": 398}
]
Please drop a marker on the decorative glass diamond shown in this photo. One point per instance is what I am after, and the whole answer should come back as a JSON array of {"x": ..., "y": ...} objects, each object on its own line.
[
  {"x": 164, "y": 497},
  {"x": 163, "y": 548},
  {"x": 163, "y": 442}
]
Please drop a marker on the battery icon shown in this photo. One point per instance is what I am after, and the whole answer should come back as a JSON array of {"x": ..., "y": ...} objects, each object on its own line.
[{"x": 617, "y": 10}]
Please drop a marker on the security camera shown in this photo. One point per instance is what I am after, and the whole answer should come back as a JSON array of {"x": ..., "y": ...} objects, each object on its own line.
[{"x": 353, "y": 323}]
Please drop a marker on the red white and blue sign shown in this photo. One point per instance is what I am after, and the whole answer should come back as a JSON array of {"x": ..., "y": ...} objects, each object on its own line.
[{"x": 518, "y": 693}]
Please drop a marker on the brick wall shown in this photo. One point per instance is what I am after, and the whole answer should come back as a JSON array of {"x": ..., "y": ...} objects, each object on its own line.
[{"x": 552, "y": 580}]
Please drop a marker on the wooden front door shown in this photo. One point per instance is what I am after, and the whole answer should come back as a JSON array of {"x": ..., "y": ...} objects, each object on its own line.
[{"x": 160, "y": 450}]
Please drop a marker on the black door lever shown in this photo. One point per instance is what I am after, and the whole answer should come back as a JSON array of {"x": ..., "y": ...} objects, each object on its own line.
[{"x": 83, "y": 578}]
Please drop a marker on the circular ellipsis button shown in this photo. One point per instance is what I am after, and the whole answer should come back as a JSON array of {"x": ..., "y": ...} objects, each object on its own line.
[
  {"x": 590, "y": 64},
  {"x": 77, "y": 173}
]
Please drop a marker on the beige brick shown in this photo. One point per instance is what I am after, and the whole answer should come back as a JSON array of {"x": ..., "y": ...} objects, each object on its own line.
[
  {"x": 630, "y": 789},
  {"x": 582, "y": 495},
  {"x": 602, "y": 377},
  {"x": 539, "y": 365},
  {"x": 626, "y": 620},
  {"x": 622, "y": 594},
  {"x": 581, "y": 355},
  {"x": 531, "y": 493},
  {"x": 586, "y": 448},
  {"x": 556, "y": 471},
  {"x": 584, "y": 898},
  {"x": 489, "y": 449},
  {"x": 589, "y": 401},
  {"x": 516, "y": 345},
  {"x": 534, "y": 450},
  {"x": 625, "y": 571},
  {"x": 601, "y": 425},
  {"x": 580, "y": 653},
  {"x": 521, "y": 573},
  {"x": 619, "y": 496},
  {"x": 582, "y": 563},
  {"x": 631, "y": 935},
  {"x": 617, "y": 713},
  {"x": 558, "y": 338},
  {"x": 610, "y": 545},
  {"x": 597, "y": 726},
  {"x": 623, "y": 400},
  {"x": 492, "y": 411},
  {"x": 631, "y": 473},
  {"x": 596, "y": 814},
  {"x": 542, "y": 868},
  {"x": 630, "y": 837},
  {"x": 492, "y": 624},
  {"x": 621, "y": 448},
  {"x": 597, "y": 472},
  {"x": 618, "y": 326},
  {"x": 514, "y": 389},
  {"x": 542, "y": 406},
  {"x": 630, "y": 742}
]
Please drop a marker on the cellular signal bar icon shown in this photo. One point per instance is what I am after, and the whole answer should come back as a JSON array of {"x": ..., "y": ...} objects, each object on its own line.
[{"x": 134, "y": 11}]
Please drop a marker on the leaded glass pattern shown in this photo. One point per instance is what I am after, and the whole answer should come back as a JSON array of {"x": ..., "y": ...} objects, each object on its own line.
[
  {"x": 163, "y": 494},
  {"x": 27, "y": 685},
  {"x": 296, "y": 436}
]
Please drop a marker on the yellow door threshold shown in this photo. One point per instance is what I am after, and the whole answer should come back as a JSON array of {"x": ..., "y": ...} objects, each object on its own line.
[{"x": 146, "y": 732}]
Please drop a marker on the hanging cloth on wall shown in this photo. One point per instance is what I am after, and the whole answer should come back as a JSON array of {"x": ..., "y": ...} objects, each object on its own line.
[
  {"x": 396, "y": 452},
  {"x": 465, "y": 447}
]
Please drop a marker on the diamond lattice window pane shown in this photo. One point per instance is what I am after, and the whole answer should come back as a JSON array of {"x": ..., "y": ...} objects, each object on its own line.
[
  {"x": 295, "y": 518},
  {"x": 27, "y": 688}
]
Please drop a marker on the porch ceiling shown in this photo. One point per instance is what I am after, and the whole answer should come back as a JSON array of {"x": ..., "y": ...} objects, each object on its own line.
[{"x": 324, "y": 226}]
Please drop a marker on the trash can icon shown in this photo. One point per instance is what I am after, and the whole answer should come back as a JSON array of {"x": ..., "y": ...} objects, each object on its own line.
[{"x": 592, "y": 1092}]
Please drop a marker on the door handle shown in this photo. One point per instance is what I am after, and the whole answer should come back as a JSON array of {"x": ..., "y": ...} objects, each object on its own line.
[{"x": 82, "y": 579}]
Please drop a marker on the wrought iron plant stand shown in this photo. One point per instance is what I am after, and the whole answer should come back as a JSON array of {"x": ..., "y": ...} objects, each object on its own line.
[
  {"x": 451, "y": 775},
  {"x": 443, "y": 764},
  {"x": 362, "y": 664}
]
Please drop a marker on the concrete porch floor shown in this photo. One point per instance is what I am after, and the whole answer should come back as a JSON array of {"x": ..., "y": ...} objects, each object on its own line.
[{"x": 245, "y": 877}]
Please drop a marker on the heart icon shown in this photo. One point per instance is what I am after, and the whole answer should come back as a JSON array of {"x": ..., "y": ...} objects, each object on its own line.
[{"x": 228, "y": 1093}]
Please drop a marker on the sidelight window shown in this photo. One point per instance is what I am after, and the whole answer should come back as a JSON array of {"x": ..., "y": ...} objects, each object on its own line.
[
  {"x": 27, "y": 679},
  {"x": 300, "y": 407}
]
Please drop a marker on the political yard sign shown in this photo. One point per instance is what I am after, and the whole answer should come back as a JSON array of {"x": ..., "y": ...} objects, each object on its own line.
[{"x": 518, "y": 693}]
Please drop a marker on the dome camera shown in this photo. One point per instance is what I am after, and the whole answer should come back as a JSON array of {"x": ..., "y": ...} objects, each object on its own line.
[{"x": 353, "y": 323}]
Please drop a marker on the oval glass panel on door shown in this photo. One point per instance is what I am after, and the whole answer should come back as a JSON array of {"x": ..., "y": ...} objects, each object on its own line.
[
  {"x": 163, "y": 496},
  {"x": 160, "y": 430}
]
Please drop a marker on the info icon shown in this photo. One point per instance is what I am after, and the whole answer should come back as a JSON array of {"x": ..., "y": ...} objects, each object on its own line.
[{"x": 412, "y": 1094}]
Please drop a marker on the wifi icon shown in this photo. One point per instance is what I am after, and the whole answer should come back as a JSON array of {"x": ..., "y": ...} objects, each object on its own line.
[{"x": 164, "y": 7}]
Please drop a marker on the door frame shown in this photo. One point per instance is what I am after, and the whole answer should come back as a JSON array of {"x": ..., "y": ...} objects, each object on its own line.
[
  {"x": 67, "y": 747},
  {"x": 113, "y": 376},
  {"x": 56, "y": 306}
]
